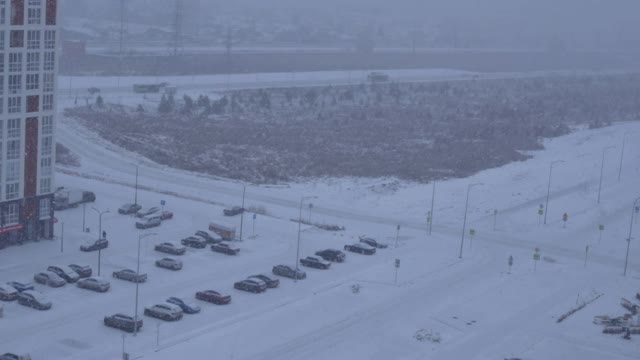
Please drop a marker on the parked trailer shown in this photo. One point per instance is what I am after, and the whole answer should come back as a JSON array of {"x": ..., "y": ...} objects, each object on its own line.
[{"x": 68, "y": 198}]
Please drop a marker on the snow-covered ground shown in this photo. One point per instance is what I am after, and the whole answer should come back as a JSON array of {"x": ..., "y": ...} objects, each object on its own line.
[{"x": 477, "y": 308}]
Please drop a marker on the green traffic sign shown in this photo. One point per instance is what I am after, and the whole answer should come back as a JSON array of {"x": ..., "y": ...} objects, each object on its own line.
[
  {"x": 601, "y": 227},
  {"x": 472, "y": 232},
  {"x": 536, "y": 257},
  {"x": 540, "y": 211}
]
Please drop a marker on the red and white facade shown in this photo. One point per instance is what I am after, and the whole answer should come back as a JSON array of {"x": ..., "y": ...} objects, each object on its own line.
[{"x": 28, "y": 69}]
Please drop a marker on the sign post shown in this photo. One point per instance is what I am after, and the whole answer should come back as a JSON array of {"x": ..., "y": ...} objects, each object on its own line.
[
  {"x": 397, "y": 267},
  {"x": 637, "y": 212},
  {"x": 429, "y": 221},
  {"x": 510, "y": 263},
  {"x": 254, "y": 225},
  {"x": 540, "y": 213},
  {"x": 601, "y": 229},
  {"x": 163, "y": 203},
  {"x": 565, "y": 217},
  {"x": 586, "y": 254},
  {"x": 536, "y": 258},
  {"x": 472, "y": 233},
  {"x": 495, "y": 218},
  {"x": 62, "y": 238},
  {"x": 397, "y": 235}
]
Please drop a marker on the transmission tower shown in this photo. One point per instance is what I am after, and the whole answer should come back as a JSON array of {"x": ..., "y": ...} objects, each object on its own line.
[{"x": 177, "y": 45}]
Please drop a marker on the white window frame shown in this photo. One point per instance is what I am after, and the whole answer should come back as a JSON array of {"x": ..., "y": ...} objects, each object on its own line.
[
  {"x": 47, "y": 82},
  {"x": 12, "y": 215},
  {"x": 46, "y": 168},
  {"x": 49, "y": 39},
  {"x": 33, "y": 82},
  {"x": 45, "y": 209},
  {"x": 46, "y": 146},
  {"x": 15, "y": 62},
  {"x": 33, "y": 61},
  {"x": 12, "y": 171},
  {"x": 47, "y": 102},
  {"x": 34, "y": 16},
  {"x": 15, "y": 83},
  {"x": 12, "y": 191},
  {"x": 13, "y": 149},
  {"x": 33, "y": 39},
  {"x": 49, "y": 61},
  {"x": 15, "y": 105},
  {"x": 14, "y": 128},
  {"x": 47, "y": 125},
  {"x": 45, "y": 185}
]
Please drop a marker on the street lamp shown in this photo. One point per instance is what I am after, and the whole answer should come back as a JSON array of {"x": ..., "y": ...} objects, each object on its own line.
[
  {"x": 546, "y": 206},
  {"x": 464, "y": 223},
  {"x": 135, "y": 199},
  {"x": 624, "y": 140},
  {"x": 302, "y": 199},
  {"x": 626, "y": 259},
  {"x": 602, "y": 169},
  {"x": 140, "y": 237},
  {"x": 100, "y": 213},
  {"x": 244, "y": 190}
]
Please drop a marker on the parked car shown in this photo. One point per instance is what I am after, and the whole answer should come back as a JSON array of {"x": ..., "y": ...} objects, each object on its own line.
[
  {"x": 8, "y": 293},
  {"x": 65, "y": 272},
  {"x": 21, "y": 286},
  {"x": 251, "y": 285},
  {"x": 213, "y": 296},
  {"x": 332, "y": 255},
  {"x": 130, "y": 275},
  {"x": 167, "y": 312},
  {"x": 94, "y": 245},
  {"x": 360, "y": 248},
  {"x": 186, "y": 307},
  {"x": 166, "y": 215},
  {"x": 225, "y": 249},
  {"x": 373, "y": 243},
  {"x": 288, "y": 271},
  {"x": 84, "y": 271},
  {"x": 271, "y": 283},
  {"x": 209, "y": 237},
  {"x": 95, "y": 284},
  {"x": 169, "y": 263},
  {"x": 148, "y": 211},
  {"x": 128, "y": 209},
  {"x": 194, "y": 242},
  {"x": 123, "y": 322},
  {"x": 236, "y": 210},
  {"x": 49, "y": 278},
  {"x": 148, "y": 222},
  {"x": 170, "y": 248},
  {"x": 34, "y": 299},
  {"x": 314, "y": 262},
  {"x": 12, "y": 356}
]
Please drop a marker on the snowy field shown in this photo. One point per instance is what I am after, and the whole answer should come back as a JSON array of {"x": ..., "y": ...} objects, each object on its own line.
[{"x": 476, "y": 308}]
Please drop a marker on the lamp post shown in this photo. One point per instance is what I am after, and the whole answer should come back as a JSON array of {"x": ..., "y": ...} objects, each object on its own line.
[
  {"x": 302, "y": 199},
  {"x": 135, "y": 198},
  {"x": 546, "y": 206},
  {"x": 433, "y": 197},
  {"x": 464, "y": 223},
  {"x": 100, "y": 213},
  {"x": 140, "y": 237},
  {"x": 624, "y": 140},
  {"x": 626, "y": 259},
  {"x": 602, "y": 169},
  {"x": 244, "y": 190}
]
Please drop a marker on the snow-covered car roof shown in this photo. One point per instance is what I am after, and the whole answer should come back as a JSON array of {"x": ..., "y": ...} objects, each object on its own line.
[
  {"x": 37, "y": 295},
  {"x": 363, "y": 245},
  {"x": 8, "y": 289}
]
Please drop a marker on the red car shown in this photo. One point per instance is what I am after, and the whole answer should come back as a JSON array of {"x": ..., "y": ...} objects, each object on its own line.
[
  {"x": 213, "y": 297},
  {"x": 166, "y": 215}
]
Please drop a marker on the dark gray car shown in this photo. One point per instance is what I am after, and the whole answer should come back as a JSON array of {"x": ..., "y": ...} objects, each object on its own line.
[{"x": 130, "y": 275}]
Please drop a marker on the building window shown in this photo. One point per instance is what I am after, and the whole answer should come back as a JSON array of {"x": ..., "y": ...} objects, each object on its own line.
[
  {"x": 15, "y": 105},
  {"x": 11, "y": 192},
  {"x": 47, "y": 102},
  {"x": 51, "y": 11},
  {"x": 15, "y": 62},
  {"x": 47, "y": 82},
  {"x": 49, "y": 61},
  {"x": 17, "y": 39},
  {"x": 47, "y": 146},
  {"x": 45, "y": 209},
  {"x": 50, "y": 39},
  {"x": 33, "y": 81},
  {"x": 33, "y": 103},
  {"x": 47, "y": 125},
  {"x": 13, "y": 128},
  {"x": 1, "y": 64},
  {"x": 17, "y": 12},
  {"x": 45, "y": 166},
  {"x": 1, "y": 35},
  {"x": 1, "y": 106},
  {"x": 11, "y": 216},
  {"x": 3, "y": 11},
  {"x": 13, "y": 149},
  {"x": 13, "y": 171},
  {"x": 33, "y": 61},
  {"x": 45, "y": 185},
  {"x": 33, "y": 39},
  {"x": 33, "y": 16},
  {"x": 1, "y": 85},
  {"x": 15, "y": 84}
]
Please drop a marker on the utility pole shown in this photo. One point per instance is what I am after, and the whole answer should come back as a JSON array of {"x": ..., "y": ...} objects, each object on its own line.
[
  {"x": 140, "y": 237},
  {"x": 177, "y": 28},
  {"x": 302, "y": 199},
  {"x": 464, "y": 223},
  {"x": 433, "y": 197},
  {"x": 397, "y": 234},
  {"x": 100, "y": 213},
  {"x": 602, "y": 169},
  {"x": 84, "y": 216},
  {"x": 244, "y": 190},
  {"x": 135, "y": 199},
  {"x": 62, "y": 238},
  {"x": 624, "y": 140},
  {"x": 546, "y": 207},
  {"x": 626, "y": 259}
]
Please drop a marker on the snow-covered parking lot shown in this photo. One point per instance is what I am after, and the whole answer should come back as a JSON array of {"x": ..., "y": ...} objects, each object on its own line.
[{"x": 471, "y": 305}]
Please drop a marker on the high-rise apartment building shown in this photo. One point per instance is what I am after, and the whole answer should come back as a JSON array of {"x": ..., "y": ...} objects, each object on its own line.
[{"x": 28, "y": 68}]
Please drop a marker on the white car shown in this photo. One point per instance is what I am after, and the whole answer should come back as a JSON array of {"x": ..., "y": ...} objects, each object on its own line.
[
  {"x": 147, "y": 212},
  {"x": 169, "y": 263},
  {"x": 8, "y": 293},
  {"x": 95, "y": 284},
  {"x": 12, "y": 356},
  {"x": 164, "y": 311},
  {"x": 148, "y": 222}
]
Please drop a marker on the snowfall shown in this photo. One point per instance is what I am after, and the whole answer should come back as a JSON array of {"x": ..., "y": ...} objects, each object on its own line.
[{"x": 440, "y": 306}]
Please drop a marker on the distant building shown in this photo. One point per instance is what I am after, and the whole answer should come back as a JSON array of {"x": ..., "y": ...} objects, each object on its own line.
[
  {"x": 28, "y": 68},
  {"x": 74, "y": 48}
]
